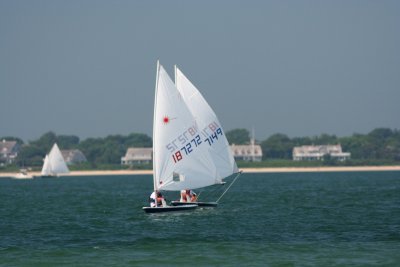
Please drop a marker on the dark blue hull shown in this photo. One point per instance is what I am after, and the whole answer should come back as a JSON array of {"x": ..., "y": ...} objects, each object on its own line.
[
  {"x": 169, "y": 208},
  {"x": 200, "y": 204}
]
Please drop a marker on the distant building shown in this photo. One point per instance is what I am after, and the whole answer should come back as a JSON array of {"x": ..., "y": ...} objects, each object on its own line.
[
  {"x": 73, "y": 156},
  {"x": 137, "y": 155},
  {"x": 8, "y": 151},
  {"x": 250, "y": 152},
  {"x": 318, "y": 152}
]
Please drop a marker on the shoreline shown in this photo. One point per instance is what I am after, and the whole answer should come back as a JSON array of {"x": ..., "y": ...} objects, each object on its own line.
[
  {"x": 322, "y": 169},
  {"x": 245, "y": 170}
]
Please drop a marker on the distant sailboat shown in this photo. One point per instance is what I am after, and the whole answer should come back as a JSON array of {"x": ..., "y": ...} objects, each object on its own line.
[
  {"x": 190, "y": 150},
  {"x": 54, "y": 163},
  {"x": 23, "y": 174}
]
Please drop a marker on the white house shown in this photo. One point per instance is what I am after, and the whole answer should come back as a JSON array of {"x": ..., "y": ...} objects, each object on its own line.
[
  {"x": 138, "y": 155},
  {"x": 8, "y": 151},
  {"x": 318, "y": 152},
  {"x": 250, "y": 152}
]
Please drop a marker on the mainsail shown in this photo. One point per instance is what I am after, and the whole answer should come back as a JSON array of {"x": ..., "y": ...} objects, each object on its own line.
[
  {"x": 223, "y": 161},
  {"x": 189, "y": 149},
  {"x": 54, "y": 163}
]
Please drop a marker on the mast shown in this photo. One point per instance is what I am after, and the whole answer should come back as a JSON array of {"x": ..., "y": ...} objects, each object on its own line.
[
  {"x": 176, "y": 78},
  {"x": 154, "y": 124},
  {"x": 252, "y": 140},
  {"x": 176, "y": 84}
]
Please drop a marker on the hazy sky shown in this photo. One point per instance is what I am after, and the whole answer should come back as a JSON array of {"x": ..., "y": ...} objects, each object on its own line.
[{"x": 296, "y": 67}]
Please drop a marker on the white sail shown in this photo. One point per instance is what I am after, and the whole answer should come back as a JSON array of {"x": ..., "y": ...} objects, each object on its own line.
[
  {"x": 182, "y": 149},
  {"x": 54, "y": 163},
  {"x": 223, "y": 161},
  {"x": 46, "y": 169},
  {"x": 57, "y": 162}
]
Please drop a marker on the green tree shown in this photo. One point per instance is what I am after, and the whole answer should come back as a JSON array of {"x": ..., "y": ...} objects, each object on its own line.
[
  {"x": 393, "y": 146},
  {"x": 324, "y": 139},
  {"x": 138, "y": 140},
  {"x": 379, "y": 144},
  {"x": 67, "y": 141},
  {"x": 30, "y": 155},
  {"x": 110, "y": 149},
  {"x": 385, "y": 143},
  {"x": 92, "y": 148},
  {"x": 46, "y": 141},
  {"x": 328, "y": 160},
  {"x": 302, "y": 141},
  {"x": 380, "y": 134},
  {"x": 277, "y": 146},
  {"x": 238, "y": 136}
]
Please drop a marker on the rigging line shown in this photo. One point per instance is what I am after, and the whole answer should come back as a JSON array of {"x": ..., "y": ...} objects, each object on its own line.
[
  {"x": 198, "y": 195},
  {"x": 234, "y": 180}
]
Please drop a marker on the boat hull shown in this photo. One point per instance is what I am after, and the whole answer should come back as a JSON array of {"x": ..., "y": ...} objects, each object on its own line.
[
  {"x": 45, "y": 176},
  {"x": 200, "y": 204},
  {"x": 23, "y": 176},
  {"x": 169, "y": 208}
]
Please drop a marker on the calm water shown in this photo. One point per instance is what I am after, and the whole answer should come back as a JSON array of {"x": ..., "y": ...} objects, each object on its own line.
[{"x": 303, "y": 219}]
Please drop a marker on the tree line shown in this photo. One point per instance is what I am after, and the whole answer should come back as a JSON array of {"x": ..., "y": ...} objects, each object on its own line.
[
  {"x": 380, "y": 144},
  {"x": 108, "y": 150}
]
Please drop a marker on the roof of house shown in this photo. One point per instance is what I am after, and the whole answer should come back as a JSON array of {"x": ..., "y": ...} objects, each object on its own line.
[
  {"x": 72, "y": 153},
  {"x": 6, "y": 147},
  {"x": 139, "y": 153}
]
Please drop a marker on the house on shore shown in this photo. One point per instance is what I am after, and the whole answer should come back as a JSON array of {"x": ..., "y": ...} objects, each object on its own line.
[
  {"x": 73, "y": 156},
  {"x": 137, "y": 155},
  {"x": 8, "y": 151},
  {"x": 144, "y": 155},
  {"x": 303, "y": 153},
  {"x": 251, "y": 152}
]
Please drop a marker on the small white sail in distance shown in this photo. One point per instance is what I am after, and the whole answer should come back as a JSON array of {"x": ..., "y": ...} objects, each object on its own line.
[{"x": 54, "y": 163}]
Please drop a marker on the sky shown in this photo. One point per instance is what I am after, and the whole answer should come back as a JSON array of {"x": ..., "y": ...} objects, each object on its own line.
[{"x": 301, "y": 68}]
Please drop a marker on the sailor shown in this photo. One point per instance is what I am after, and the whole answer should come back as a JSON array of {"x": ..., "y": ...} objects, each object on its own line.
[
  {"x": 161, "y": 202},
  {"x": 183, "y": 196},
  {"x": 193, "y": 196},
  {"x": 152, "y": 199},
  {"x": 188, "y": 196},
  {"x": 156, "y": 199}
]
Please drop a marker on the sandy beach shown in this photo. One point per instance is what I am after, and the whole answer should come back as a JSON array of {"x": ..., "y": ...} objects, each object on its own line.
[
  {"x": 87, "y": 173},
  {"x": 322, "y": 169},
  {"x": 245, "y": 170}
]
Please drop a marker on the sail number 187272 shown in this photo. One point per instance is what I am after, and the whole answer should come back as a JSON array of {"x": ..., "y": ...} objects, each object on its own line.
[{"x": 195, "y": 142}]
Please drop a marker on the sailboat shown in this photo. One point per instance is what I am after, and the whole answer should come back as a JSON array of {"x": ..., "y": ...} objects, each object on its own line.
[
  {"x": 23, "y": 174},
  {"x": 54, "y": 163},
  {"x": 189, "y": 149}
]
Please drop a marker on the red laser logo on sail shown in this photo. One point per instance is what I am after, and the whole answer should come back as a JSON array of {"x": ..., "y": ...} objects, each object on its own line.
[{"x": 166, "y": 119}]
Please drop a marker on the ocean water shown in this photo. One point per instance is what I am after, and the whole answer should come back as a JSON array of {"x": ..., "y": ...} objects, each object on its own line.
[{"x": 285, "y": 219}]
